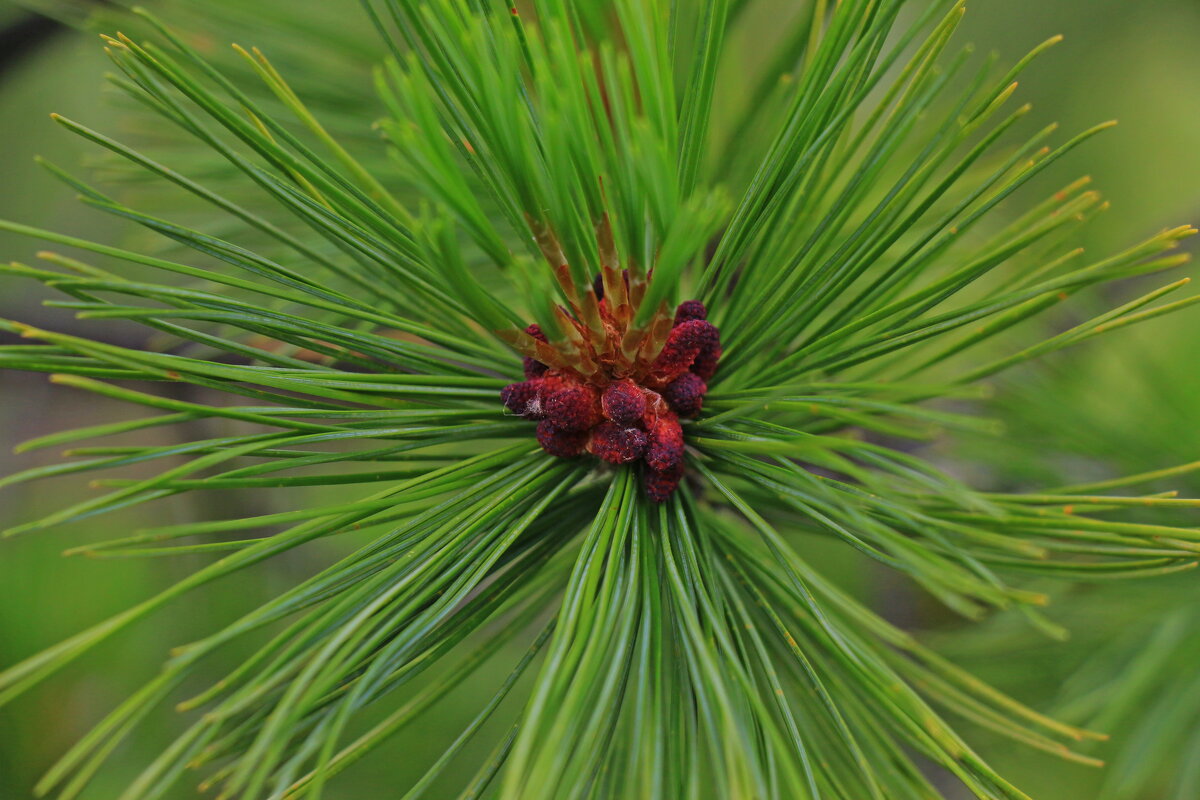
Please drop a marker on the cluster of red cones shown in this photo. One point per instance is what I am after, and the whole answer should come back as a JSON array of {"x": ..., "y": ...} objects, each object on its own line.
[{"x": 625, "y": 418}]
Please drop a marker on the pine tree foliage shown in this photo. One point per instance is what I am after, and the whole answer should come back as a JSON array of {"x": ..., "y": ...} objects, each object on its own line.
[
  {"x": 1128, "y": 666},
  {"x": 1126, "y": 669},
  {"x": 849, "y": 232}
]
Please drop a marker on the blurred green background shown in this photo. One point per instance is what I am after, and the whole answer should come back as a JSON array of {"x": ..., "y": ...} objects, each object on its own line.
[{"x": 1134, "y": 61}]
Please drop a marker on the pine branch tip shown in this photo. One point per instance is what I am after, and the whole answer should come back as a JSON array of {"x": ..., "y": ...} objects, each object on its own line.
[{"x": 156, "y": 59}]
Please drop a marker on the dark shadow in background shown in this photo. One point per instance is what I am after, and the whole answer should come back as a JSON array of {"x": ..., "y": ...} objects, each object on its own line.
[{"x": 23, "y": 37}]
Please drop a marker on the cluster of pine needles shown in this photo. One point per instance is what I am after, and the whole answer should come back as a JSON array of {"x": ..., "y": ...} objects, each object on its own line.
[{"x": 356, "y": 295}]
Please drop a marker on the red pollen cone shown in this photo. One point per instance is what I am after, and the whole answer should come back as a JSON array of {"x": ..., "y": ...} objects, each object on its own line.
[
  {"x": 617, "y": 444},
  {"x": 575, "y": 407},
  {"x": 689, "y": 310},
  {"x": 660, "y": 485},
  {"x": 620, "y": 408},
  {"x": 521, "y": 399},
  {"x": 666, "y": 443},
  {"x": 624, "y": 402},
  {"x": 685, "y": 394},
  {"x": 684, "y": 344},
  {"x": 564, "y": 444}
]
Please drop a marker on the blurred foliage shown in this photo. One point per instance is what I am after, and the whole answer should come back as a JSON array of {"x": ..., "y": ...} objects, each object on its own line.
[{"x": 1133, "y": 406}]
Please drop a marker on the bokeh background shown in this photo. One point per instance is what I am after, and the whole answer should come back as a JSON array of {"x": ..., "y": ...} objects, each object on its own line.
[{"x": 1133, "y": 400}]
